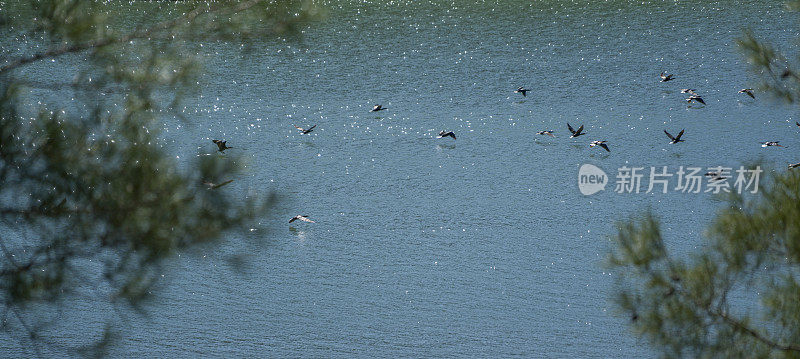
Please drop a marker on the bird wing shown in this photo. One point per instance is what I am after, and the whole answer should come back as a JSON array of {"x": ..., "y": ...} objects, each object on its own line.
[
  {"x": 750, "y": 93},
  {"x": 670, "y": 136},
  {"x": 570, "y": 128},
  {"x": 679, "y": 135},
  {"x": 549, "y": 133},
  {"x": 453, "y": 135},
  {"x": 293, "y": 219},
  {"x": 580, "y": 129},
  {"x": 215, "y": 186},
  {"x": 605, "y": 146},
  {"x": 297, "y": 127},
  {"x": 311, "y": 128},
  {"x": 305, "y": 219},
  {"x": 700, "y": 100}
]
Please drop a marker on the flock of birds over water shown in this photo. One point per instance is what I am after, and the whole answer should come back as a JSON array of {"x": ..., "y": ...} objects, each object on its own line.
[{"x": 693, "y": 98}]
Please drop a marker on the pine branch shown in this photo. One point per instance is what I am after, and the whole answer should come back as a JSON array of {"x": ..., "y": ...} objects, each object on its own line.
[
  {"x": 138, "y": 34},
  {"x": 741, "y": 327}
]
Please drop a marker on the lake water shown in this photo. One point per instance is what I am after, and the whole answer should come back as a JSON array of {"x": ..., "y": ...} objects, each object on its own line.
[{"x": 477, "y": 247}]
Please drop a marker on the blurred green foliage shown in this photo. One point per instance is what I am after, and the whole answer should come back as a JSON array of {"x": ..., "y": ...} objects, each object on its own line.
[
  {"x": 739, "y": 295},
  {"x": 93, "y": 184}
]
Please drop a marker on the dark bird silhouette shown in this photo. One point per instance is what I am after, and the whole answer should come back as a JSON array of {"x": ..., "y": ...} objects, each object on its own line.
[
  {"x": 446, "y": 134},
  {"x": 302, "y": 218},
  {"x": 601, "y": 144},
  {"x": 305, "y": 131},
  {"x": 377, "y": 108},
  {"x": 549, "y": 133},
  {"x": 696, "y": 99},
  {"x": 221, "y": 145},
  {"x": 577, "y": 133},
  {"x": 771, "y": 143},
  {"x": 676, "y": 139},
  {"x": 665, "y": 77},
  {"x": 522, "y": 90},
  {"x": 715, "y": 176},
  {"x": 794, "y": 165},
  {"x": 748, "y": 92},
  {"x": 212, "y": 185}
]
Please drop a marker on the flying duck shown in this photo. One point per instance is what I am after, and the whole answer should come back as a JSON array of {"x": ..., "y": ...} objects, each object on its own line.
[
  {"x": 665, "y": 77},
  {"x": 305, "y": 131},
  {"x": 302, "y": 218},
  {"x": 549, "y": 133},
  {"x": 748, "y": 92},
  {"x": 221, "y": 145},
  {"x": 676, "y": 139},
  {"x": 447, "y": 133},
  {"x": 522, "y": 90},
  {"x": 771, "y": 143},
  {"x": 577, "y": 133},
  {"x": 601, "y": 144},
  {"x": 695, "y": 98},
  {"x": 212, "y": 185},
  {"x": 794, "y": 165},
  {"x": 377, "y": 108}
]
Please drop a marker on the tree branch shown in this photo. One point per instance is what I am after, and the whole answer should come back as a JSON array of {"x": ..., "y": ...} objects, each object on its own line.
[
  {"x": 28, "y": 329},
  {"x": 756, "y": 335},
  {"x": 736, "y": 324},
  {"x": 138, "y": 34}
]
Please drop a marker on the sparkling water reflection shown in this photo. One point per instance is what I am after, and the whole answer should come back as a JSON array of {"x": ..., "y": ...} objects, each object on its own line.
[{"x": 481, "y": 246}]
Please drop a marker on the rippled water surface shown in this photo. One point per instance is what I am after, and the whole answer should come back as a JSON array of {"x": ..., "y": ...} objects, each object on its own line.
[{"x": 476, "y": 247}]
